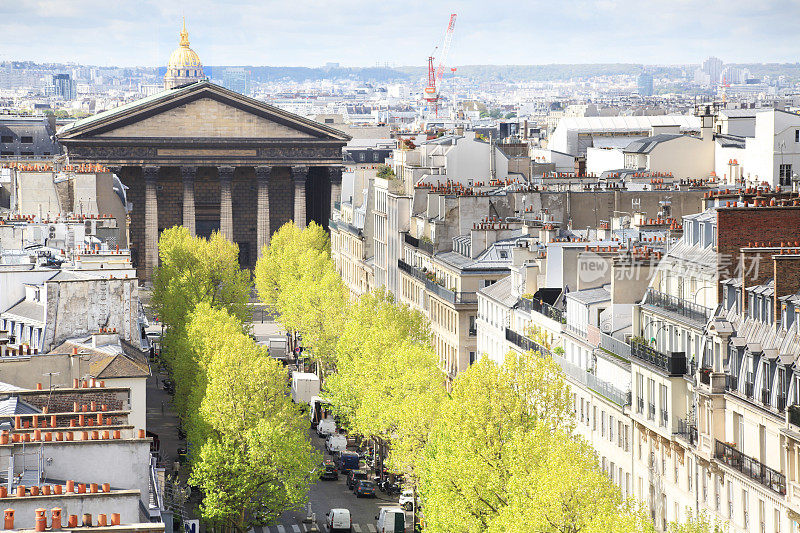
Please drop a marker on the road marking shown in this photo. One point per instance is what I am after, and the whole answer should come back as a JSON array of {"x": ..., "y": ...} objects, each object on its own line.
[
  {"x": 371, "y": 528},
  {"x": 281, "y": 529},
  {"x": 259, "y": 529},
  {"x": 296, "y": 528},
  {"x": 356, "y": 528}
]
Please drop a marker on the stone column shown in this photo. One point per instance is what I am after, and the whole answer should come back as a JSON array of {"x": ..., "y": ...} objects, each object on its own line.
[
  {"x": 262, "y": 214},
  {"x": 188, "y": 174},
  {"x": 300, "y": 176},
  {"x": 335, "y": 175},
  {"x": 150, "y": 175},
  {"x": 225, "y": 202}
]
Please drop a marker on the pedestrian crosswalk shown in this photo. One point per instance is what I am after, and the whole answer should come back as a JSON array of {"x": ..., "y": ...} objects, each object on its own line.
[{"x": 305, "y": 528}]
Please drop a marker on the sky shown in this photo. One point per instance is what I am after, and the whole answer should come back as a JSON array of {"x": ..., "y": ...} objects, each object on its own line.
[{"x": 369, "y": 32}]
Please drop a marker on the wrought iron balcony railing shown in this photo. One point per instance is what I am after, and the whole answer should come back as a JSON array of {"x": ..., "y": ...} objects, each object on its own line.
[
  {"x": 453, "y": 297},
  {"x": 687, "y": 430},
  {"x": 543, "y": 308},
  {"x": 750, "y": 467},
  {"x": 677, "y": 305},
  {"x": 421, "y": 244},
  {"x": 673, "y": 363},
  {"x": 794, "y": 415}
]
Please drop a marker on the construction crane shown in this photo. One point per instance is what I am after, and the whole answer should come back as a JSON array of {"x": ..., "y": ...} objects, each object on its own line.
[{"x": 431, "y": 92}]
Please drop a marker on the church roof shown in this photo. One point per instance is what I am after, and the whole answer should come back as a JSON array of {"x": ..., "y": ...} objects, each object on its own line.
[{"x": 171, "y": 98}]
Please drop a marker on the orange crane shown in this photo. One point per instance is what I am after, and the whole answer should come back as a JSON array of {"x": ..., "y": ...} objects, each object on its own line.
[{"x": 431, "y": 92}]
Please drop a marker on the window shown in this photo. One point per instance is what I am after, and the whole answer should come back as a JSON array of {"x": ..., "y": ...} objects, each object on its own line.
[
  {"x": 375, "y": 156},
  {"x": 472, "y": 357},
  {"x": 784, "y": 173},
  {"x": 328, "y": 121},
  {"x": 797, "y": 136},
  {"x": 745, "y": 514},
  {"x": 362, "y": 156},
  {"x": 27, "y": 139},
  {"x": 6, "y": 138}
]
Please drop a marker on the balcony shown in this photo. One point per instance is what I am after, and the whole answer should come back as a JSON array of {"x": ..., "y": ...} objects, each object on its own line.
[
  {"x": 794, "y": 415},
  {"x": 543, "y": 308},
  {"x": 344, "y": 226},
  {"x": 473, "y": 331},
  {"x": 705, "y": 376},
  {"x": 748, "y": 389},
  {"x": 651, "y": 412},
  {"x": 687, "y": 431},
  {"x": 748, "y": 466},
  {"x": 523, "y": 342},
  {"x": 677, "y": 305},
  {"x": 590, "y": 381},
  {"x": 454, "y": 297},
  {"x": 420, "y": 244},
  {"x": 640, "y": 406},
  {"x": 765, "y": 396},
  {"x": 664, "y": 417},
  {"x": 780, "y": 402},
  {"x": 673, "y": 363},
  {"x": 733, "y": 382},
  {"x": 615, "y": 346}
]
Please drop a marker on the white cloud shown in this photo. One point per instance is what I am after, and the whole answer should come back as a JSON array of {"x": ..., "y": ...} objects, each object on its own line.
[{"x": 363, "y": 32}]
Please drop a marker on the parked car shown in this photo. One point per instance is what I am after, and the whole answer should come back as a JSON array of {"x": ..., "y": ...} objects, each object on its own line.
[
  {"x": 347, "y": 461},
  {"x": 364, "y": 487},
  {"x": 354, "y": 477},
  {"x": 326, "y": 427},
  {"x": 338, "y": 520},
  {"x": 407, "y": 500},
  {"x": 329, "y": 470},
  {"x": 391, "y": 520},
  {"x": 336, "y": 443}
]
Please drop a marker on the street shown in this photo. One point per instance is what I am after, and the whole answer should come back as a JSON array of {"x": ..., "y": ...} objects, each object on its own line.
[{"x": 326, "y": 495}]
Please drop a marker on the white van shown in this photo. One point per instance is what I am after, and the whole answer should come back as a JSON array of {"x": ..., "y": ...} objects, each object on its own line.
[
  {"x": 326, "y": 427},
  {"x": 338, "y": 520},
  {"x": 336, "y": 443},
  {"x": 391, "y": 520}
]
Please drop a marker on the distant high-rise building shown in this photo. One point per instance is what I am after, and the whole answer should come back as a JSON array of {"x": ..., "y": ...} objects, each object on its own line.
[
  {"x": 645, "y": 84},
  {"x": 64, "y": 86},
  {"x": 713, "y": 67},
  {"x": 237, "y": 79}
]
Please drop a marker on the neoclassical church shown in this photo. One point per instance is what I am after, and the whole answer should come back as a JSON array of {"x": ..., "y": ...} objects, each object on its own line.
[{"x": 210, "y": 159}]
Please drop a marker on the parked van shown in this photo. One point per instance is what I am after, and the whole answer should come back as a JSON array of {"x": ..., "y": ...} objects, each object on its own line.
[
  {"x": 326, "y": 427},
  {"x": 336, "y": 443},
  {"x": 347, "y": 461},
  {"x": 391, "y": 520},
  {"x": 338, "y": 520}
]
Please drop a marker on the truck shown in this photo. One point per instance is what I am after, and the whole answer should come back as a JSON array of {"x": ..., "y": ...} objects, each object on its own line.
[
  {"x": 304, "y": 387},
  {"x": 318, "y": 410},
  {"x": 278, "y": 347}
]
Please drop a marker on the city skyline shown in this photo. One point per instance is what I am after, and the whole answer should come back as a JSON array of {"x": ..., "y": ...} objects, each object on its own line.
[{"x": 310, "y": 34}]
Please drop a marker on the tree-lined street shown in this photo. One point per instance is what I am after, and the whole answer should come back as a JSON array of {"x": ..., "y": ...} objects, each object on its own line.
[{"x": 493, "y": 450}]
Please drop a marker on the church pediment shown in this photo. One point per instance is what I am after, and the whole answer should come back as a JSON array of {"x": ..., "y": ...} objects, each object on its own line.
[{"x": 199, "y": 111}]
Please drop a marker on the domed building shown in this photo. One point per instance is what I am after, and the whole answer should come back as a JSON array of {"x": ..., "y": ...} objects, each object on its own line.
[{"x": 184, "y": 64}]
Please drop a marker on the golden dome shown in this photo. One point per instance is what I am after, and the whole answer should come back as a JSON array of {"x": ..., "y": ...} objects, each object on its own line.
[{"x": 184, "y": 64}]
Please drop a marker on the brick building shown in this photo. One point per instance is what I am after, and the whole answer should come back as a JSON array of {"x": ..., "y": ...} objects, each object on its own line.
[{"x": 210, "y": 159}]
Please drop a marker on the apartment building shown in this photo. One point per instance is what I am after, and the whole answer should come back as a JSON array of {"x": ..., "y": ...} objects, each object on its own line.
[{"x": 682, "y": 366}]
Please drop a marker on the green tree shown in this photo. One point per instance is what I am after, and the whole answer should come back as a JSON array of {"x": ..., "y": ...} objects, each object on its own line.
[
  {"x": 194, "y": 270},
  {"x": 387, "y": 382},
  {"x": 256, "y": 460},
  {"x": 698, "y": 523},
  {"x": 298, "y": 279},
  {"x": 502, "y": 457}
]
